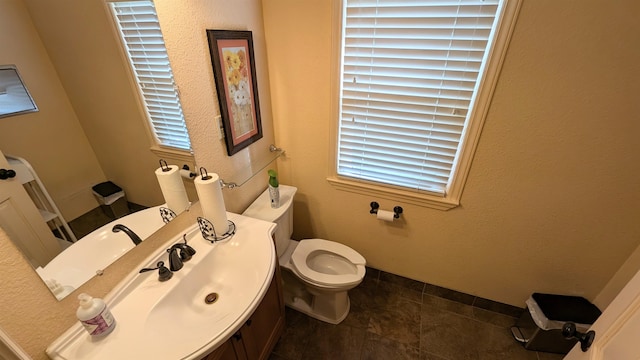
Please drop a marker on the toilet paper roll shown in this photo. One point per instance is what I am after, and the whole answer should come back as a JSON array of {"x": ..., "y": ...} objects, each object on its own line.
[
  {"x": 212, "y": 202},
  {"x": 185, "y": 173},
  {"x": 385, "y": 215},
  {"x": 173, "y": 189}
]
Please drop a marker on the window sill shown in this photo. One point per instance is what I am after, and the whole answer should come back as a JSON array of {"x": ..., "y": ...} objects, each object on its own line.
[
  {"x": 181, "y": 156},
  {"x": 408, "y": 197}
]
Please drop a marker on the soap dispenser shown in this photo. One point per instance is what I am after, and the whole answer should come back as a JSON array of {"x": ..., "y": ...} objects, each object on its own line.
[
  {"x": 95, "y": 316},
  {"x": 274, "y": 190}
]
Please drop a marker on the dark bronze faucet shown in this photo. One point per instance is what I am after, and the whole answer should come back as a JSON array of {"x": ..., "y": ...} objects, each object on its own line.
[{"x": 135, "y": 238}]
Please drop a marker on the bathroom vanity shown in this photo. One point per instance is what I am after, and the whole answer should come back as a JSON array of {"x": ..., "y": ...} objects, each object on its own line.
[
  {"x": 225, "y": 303},
  {"x": 259, "y": 335}
]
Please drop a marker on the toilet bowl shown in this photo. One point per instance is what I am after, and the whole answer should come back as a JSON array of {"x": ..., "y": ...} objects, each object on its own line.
[
  {"x": 317, "y": 273},
  {"x": 328, "y": 263}
]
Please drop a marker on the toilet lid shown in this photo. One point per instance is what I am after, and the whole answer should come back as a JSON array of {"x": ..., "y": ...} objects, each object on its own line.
[{"x": 306, "y": 247}]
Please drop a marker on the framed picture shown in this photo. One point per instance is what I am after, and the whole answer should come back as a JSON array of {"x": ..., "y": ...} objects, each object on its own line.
[{"x": 234, "y": 71}]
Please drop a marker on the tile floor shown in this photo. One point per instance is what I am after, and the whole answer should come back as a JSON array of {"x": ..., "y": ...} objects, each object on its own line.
[
  {"x": 397, "y": 318},
  {"x": 94, "y": 219}
]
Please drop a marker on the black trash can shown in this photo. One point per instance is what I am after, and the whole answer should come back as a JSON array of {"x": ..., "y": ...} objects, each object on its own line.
[
  {"x": 540, "y": 328},
  {"x": 112, "y": 199}
]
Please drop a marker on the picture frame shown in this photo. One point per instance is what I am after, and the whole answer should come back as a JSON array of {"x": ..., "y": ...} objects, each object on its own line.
[{"x": 234, "y": 71}]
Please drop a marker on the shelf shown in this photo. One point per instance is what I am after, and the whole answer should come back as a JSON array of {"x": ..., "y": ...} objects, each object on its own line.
[
  {"x": 23, "y": 173},
  {"x": 40, "y": 197},
  {"x": 47, "y": 215},
  {"x": 257, "y": 164}
]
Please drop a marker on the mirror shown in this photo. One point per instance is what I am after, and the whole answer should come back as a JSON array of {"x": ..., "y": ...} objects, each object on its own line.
[
  {"x": 96, "y": 251},
  {"x": 89, "y": 127},
  {"x": 61, "y": 261},
  {"x": 14, "y": 96}
]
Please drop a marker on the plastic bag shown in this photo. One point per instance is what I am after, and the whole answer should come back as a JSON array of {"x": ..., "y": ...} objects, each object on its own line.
[{"x": 547, "y": 324}]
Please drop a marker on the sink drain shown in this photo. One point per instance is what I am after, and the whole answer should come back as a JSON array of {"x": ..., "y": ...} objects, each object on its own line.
[{"x": 211, "y": 298}]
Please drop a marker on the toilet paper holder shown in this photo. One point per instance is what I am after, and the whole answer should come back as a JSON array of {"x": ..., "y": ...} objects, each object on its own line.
[{"x": 397, "y": 210}]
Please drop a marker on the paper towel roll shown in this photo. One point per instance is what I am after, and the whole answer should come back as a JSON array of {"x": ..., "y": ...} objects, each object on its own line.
[
  {"x": 173, "y": 189},
  {"x": 212, "y": 202},
  {"x": 385, "y": 215}
]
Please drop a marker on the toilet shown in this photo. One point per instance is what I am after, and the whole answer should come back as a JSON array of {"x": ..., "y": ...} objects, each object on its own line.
[{"x": 317, "y": 274}]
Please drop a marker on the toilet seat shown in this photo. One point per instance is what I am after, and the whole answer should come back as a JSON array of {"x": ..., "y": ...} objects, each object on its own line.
[{"x": 306, "y": 247}]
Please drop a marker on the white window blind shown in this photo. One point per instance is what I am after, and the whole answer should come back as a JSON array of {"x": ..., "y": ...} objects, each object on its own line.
[
  {"x": 140, "y": 32},
  {"x": 410, "y": 70}
]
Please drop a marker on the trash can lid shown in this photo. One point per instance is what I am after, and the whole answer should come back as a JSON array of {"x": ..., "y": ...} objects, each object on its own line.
[
  {"x": 106, "y": 188},
  {"x": 567, "y": 308}
]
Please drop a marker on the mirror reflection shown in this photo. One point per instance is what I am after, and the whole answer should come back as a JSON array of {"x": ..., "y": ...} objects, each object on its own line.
[
  {"x": 65, "y": 256},
  {"x": 94, "y": 252},
  {"x": 90, "y": 127},
  {"x": 14, "y": 96},
  {"x": 89, "y": 130}
]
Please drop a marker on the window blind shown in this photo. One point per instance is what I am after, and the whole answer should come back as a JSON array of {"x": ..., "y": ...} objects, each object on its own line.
[
  {"x": 410, "y": 70},
  {"x": 140, "y": 32}
]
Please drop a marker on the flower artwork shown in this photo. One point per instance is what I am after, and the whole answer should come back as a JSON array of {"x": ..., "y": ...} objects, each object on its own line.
[
  {"x": 235, "y": 66},
  {"x": 234, "y": 72}
]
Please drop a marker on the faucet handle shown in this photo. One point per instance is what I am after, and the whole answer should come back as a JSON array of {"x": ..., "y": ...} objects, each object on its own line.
[
  {"x": 164, "y": 274},
  {"x": 191, "y": 251},
  {"x": 149, "y": 269},
  {"x": 186, "y": 252},
  {"x": 188, "y": 249}
]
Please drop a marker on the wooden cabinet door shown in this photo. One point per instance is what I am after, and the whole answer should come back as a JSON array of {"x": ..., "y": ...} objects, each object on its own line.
[
  {"x": 232, "y": 349},
  {"x": 263, "y": 329},
  {"x": 259, "y": 335}
]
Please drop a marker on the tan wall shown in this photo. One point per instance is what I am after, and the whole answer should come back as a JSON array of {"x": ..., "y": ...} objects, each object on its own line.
[
  {"x": 552, "y": 200},
  {"x": 619, "y": 280},
  {"x": 51, "y": 140},
  {"x": 184, "y": 27}
]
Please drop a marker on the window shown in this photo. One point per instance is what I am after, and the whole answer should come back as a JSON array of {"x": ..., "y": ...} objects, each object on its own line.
[
  {"x": 415, "y": 83},
  {"x": 139, "y": 29}
]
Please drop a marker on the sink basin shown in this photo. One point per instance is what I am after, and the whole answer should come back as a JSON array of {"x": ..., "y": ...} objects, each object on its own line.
[
  {"x": 171, "y": 320},
  {"x": 80, "y": 261}
]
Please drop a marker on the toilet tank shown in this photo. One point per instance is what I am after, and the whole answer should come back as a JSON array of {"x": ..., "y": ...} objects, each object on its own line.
[{"x": 282, "y": 216}]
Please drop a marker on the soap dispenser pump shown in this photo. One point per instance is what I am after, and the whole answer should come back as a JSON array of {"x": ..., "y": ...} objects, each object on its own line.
[
  {"x": 274, "y": 190},
  {"x": 95, "y": 316}
]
